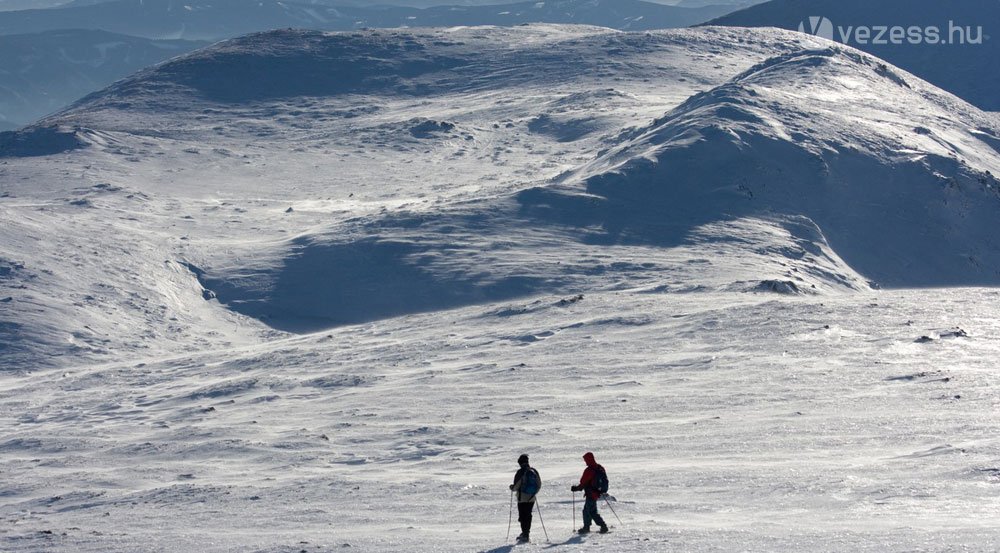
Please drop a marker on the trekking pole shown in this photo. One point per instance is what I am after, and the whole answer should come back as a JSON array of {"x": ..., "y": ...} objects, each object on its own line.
[
  {"x": 605, "y": 496},
  {"x": 574, "y": 511},
  {"x": 510, "y": 514},
  {"x": 540, "y": 519}
]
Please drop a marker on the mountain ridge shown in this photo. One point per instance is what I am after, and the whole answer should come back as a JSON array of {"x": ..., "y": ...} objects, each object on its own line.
[
  {"x": 733, "y": 139},
  {"x": 781, "y": 163}
]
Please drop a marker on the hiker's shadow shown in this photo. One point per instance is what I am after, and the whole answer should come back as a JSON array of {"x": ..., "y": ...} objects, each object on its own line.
[
  {"x": 508, "y": 548},
  {"x": 574, "y": 540}
]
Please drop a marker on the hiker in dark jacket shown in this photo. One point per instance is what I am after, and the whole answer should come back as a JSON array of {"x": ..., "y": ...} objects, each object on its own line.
[
  {"x": 589, "y": 486},
  {"x": 527, "y": 482}
]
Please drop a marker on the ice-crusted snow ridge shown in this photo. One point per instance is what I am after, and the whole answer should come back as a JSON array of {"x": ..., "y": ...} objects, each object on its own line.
[{"x": 305, "y": 291}]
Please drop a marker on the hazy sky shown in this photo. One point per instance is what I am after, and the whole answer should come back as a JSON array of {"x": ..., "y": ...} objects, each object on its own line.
[{"x": 29, "y": 4}]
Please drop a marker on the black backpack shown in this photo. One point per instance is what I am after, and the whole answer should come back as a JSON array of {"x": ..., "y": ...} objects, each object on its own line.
[{"x": 601, "y": 480}]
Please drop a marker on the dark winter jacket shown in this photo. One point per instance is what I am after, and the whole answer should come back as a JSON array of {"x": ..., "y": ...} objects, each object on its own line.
[
  {"x": 519, "y": 484},
  {"x": 588, "y": 482}
]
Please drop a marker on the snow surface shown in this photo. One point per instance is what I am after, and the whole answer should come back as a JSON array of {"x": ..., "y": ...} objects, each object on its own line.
[{"x": 307, "y": 291}]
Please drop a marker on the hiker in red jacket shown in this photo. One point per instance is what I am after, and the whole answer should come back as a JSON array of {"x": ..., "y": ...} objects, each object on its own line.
[{"x": 593, "y": 479}]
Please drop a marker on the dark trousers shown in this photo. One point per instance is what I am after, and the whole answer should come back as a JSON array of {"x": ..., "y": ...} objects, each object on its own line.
[
  {"x": 524, "y": 517},
  {"x": 590, "y": 513}
]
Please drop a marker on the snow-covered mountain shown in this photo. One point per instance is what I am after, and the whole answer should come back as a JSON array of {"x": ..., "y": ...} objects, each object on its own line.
[
  {"x": 951, "y": 44},
  {"x": 899, "y": 176},
  {"x": 861, "y": 168},
  {"x": 216, "y": 19},
  {"x": 45, "y": 72},
  {"x": 316, "y": 291}
]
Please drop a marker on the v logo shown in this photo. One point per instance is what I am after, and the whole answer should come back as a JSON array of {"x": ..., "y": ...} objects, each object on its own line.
[
  {"x": 818, "y": 26},
  {"x": 814, "y": 22}
]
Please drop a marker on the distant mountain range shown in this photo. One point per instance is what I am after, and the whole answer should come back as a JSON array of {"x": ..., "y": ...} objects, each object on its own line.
[
  {"x": 42, "y": 72},
  {"x": 13, "y": 5},
  {"x": 217, "y": 19},
  {"x": 951, "y": 44}
]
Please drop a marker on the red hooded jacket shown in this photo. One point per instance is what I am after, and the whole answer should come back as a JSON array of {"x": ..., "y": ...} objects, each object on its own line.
[{"x": 588, "y": 482}]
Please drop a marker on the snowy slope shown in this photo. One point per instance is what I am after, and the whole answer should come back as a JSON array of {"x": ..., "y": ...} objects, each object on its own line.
[
  {"x": 244, "y": 311},
  {"x": 960, "y": 54},
  {"x": 899, "y": 176},
  {"x": 726, "y": 422},
  {"x": 505, "y": 106}
]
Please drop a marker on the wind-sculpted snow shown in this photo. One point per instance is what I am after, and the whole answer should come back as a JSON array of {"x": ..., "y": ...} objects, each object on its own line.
[{"x": 727, "y": 422}]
